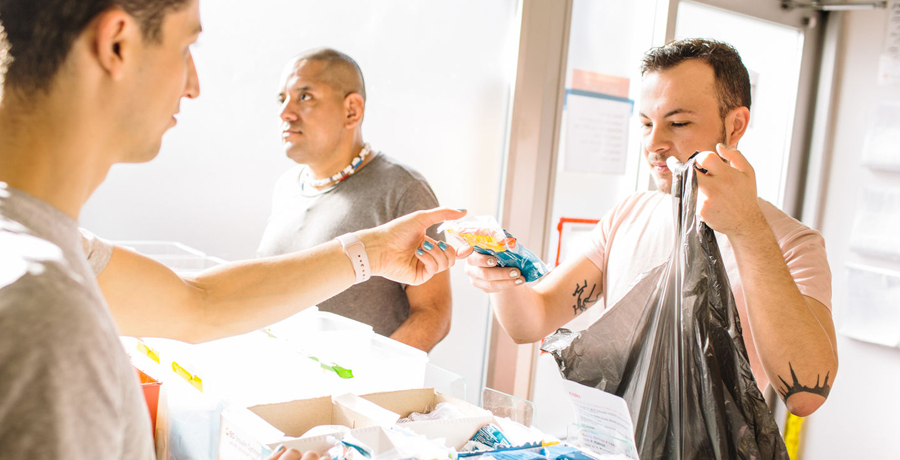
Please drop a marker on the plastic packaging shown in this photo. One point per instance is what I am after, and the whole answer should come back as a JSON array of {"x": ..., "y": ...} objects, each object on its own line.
[
  {"x": 673, "y": 349},
  {"x": 486, "y": 236},
  {"x": 442, "y": 411},
  {"x": 491, "y": 436}
]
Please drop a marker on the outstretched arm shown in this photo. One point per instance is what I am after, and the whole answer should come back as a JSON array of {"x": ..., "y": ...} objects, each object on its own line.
[
  {"x": 794, "y": 334},
  {"x": 528, "y": 314},
  {"x": 148, "y": 299}
]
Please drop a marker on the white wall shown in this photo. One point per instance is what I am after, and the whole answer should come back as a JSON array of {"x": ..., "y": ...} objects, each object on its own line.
[
  {"x": 438, "y": 78},
  {"x": 860, "y": 419}
]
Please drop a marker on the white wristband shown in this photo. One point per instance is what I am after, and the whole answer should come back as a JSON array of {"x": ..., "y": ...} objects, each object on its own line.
[{"x": 356, "y": 251}]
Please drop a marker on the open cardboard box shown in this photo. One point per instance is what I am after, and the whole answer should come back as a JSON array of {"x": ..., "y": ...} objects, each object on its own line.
[
  {"x": 454, "y": 432},
  {"x": 253, "y": 433}
]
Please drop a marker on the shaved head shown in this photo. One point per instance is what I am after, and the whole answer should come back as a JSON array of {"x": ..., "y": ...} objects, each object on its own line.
[{"x": 335, "y": 69}]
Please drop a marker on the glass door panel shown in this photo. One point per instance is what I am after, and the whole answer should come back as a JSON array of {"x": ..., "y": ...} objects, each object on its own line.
[{"x": 773, "y": 55}]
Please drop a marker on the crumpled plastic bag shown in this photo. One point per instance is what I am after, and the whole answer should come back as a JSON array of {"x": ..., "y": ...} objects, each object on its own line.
[{"x": 673, "y": 349}]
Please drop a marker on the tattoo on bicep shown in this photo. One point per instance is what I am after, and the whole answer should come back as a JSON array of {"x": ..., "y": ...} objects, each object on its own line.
[
  {"x": 582, "y": 303},
  {"x": 789, "y": 389}
]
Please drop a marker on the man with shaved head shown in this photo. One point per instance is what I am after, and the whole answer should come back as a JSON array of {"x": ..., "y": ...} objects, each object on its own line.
[
  {"x": 340, "y": 186},
  {"x": 85, "y": 84}
]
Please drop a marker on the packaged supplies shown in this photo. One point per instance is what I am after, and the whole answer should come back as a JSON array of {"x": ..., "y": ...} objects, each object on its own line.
[
  {"x": 486, "y": 236},
  {"x": 443, "y": 411},
  {"x": 672, "y": 348},
  {"x": 491, "y": 436}
]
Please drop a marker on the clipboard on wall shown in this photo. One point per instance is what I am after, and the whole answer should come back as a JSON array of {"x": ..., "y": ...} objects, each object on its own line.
[{"x": 574, "y": 235}]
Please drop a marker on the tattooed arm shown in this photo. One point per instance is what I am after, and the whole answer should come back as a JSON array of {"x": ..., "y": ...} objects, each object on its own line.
[
  {"x": 527, "y": 313},
  {"x": 793, "y": 333}
]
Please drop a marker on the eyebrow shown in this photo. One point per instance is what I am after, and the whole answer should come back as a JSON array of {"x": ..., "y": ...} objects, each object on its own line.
[{"x": 673, "y": 112}]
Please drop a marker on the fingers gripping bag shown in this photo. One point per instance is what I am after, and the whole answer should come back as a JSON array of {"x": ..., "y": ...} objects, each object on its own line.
[
  {"x": 486, "y": 236},
  {"x": 672, "y": 348}
]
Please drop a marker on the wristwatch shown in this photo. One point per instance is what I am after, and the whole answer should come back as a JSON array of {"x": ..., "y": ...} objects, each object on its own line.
[{"x": 356, "y": 251}]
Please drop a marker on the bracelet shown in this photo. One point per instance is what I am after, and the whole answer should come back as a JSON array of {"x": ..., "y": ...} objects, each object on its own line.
[{"x": 356, "y": 251}]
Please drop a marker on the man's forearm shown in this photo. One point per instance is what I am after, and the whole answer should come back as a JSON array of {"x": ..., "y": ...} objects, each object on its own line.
[
  {"x": 521, "y": 312},
  {"x": 423, "y": 329},
  {"x": 147, "y": 299},
  {"x": 794, "y": 340}
]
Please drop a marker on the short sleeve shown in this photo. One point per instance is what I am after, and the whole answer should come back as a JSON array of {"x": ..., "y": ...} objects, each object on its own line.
[
  {"x": 804, "y": 254},
  {"x": 418, "y": 196},
  {"x": 596, "y": 248},
  {"x": 97, "y": 250}
]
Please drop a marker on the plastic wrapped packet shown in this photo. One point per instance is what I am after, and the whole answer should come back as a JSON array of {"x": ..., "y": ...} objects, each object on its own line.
[
  {"x": 540, "y": 453},
  {"x": 442, "y": 411},
  {"x": 486, "y": 236},
  {"x": 349, "y": 448},
  {"x": 672, "y": 348},
  {"x": 488, "y": 437},
  {"x": 491, "y": 436}
]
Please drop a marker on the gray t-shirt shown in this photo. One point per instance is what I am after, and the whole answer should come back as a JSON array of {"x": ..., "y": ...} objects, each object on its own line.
[
  {"x": 67, "y": 388},
  {"x": 378, "y": 193}
]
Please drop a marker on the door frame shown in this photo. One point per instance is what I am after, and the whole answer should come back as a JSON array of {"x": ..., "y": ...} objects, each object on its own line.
[{"x": 529, "y": 168}]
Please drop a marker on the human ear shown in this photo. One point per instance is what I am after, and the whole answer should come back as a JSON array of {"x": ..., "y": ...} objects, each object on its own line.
[
  {"x": 115, "y": 35},
  {"x": 354, "y": 107},
  {"x": 736, "y": 123}
]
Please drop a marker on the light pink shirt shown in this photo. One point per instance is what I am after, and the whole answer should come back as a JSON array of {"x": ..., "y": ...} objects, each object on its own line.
[{"x": 638, "y": 235}]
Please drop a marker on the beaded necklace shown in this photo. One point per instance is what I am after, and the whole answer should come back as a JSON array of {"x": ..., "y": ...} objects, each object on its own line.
[{"x": 340, "y": 176}]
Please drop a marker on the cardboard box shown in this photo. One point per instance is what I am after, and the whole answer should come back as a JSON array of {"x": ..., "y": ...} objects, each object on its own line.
[
  {"x": 252, "y": 433},
  {"x": 454, "y": 432},
  {"x": 374, "y": 437}
]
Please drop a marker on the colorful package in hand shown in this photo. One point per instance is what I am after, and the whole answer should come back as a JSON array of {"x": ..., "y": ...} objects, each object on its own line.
[{"x": 486, "y": 236}]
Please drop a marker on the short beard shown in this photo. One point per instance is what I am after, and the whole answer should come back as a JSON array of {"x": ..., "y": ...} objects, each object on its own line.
[{"x": 723, "y": 137}]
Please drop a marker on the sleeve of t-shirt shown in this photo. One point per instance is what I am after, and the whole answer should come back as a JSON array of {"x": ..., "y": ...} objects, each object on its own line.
[
  {"x": 418, "y": 196},
  {"x": 595, "y": 250},
  {"x": 805, "y": 257},
  {"x": 97, "y": 250}
]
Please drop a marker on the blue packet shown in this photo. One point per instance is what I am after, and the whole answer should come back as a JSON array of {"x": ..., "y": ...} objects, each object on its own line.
[{"x": 487, "y": 237}]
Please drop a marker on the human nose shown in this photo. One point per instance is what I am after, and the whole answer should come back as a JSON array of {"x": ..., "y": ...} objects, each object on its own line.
[
  {"x": 287, "y": 112},
  {"x": 192, "y": 85},
  {"x": 655, "y": 140}
]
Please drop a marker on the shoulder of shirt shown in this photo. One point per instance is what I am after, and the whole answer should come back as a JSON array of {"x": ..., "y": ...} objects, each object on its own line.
[
  {"x": 639, "y": 200},
  {"x": 398, "y": 171},
  {"x": 41, "y": 288},
  {"x": 783, "y": 225},
  {"x": 31, "y": 261}
]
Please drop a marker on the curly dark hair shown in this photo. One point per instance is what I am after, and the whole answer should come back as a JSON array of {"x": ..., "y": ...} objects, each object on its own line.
[
  {"x": 732, "y": 78},
  {"x": 40, "y": 34}
]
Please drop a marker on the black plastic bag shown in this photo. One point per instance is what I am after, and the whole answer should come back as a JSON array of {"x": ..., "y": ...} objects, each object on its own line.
[{"x": 673, "y": 349}]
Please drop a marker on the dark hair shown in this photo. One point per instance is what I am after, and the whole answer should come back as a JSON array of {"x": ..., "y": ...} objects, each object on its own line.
[
  {"x": 732, "y": 78},
  {"x": 40, "y": 33}
]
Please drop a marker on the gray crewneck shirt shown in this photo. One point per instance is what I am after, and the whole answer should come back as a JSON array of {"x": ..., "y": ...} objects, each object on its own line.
[
  {"x": 67, "y": 387},
  {"x": 379, "y": 192}
]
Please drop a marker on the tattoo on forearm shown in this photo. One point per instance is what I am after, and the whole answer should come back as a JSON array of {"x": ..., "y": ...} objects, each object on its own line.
[
  {"x": 789, "y": 389},
  {"x": 582, "y": 303}
]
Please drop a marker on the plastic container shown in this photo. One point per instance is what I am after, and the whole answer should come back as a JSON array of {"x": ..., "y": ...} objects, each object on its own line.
[{"x": 150, "y": 387}]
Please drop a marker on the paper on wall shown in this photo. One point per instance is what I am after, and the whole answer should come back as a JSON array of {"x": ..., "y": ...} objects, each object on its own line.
[
  {"x": 879, "y": 149},
  {"x": 876, "y": 222},
  {"x": 871, "y": 313},
  {"x": 603, "y": 423},
  {"x": 596, "y": 132},
  {"x": 889, "y": 64}
]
